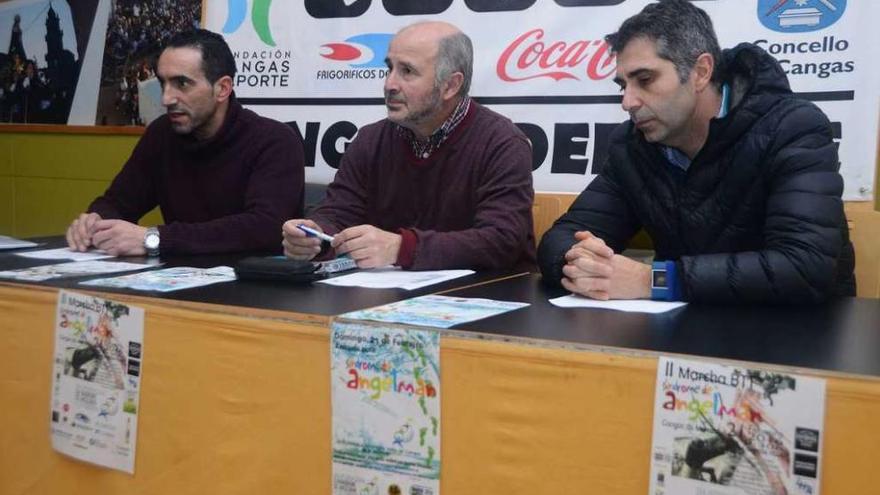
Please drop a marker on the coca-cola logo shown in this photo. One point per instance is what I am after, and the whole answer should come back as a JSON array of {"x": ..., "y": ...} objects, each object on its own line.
[{"x": 530, "y": 56}]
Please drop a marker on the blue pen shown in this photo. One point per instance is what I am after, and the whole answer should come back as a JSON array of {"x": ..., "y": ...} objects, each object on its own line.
[{"x": 314, "y": 233}]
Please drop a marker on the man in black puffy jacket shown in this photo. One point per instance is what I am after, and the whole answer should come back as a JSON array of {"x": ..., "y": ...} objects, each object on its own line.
[{"x": 734, "y": 178}]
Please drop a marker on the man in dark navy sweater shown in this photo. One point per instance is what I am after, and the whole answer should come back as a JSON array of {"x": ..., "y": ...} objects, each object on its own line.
[
  {"x": 224, "y": 178},
  {"x": 733, "y": 177},
  {"x": 443, "y": 182}
]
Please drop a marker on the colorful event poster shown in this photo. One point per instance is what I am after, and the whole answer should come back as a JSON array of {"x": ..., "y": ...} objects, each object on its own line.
[
  {"x": 167, "y": 279},
  {"x": 71, "y": 269},
  {"x": 721, "y": 430},
  {"x": 385, "y": 386},
  {"x": 96, "y": 380},
  {"x": 436, "y": 311}
]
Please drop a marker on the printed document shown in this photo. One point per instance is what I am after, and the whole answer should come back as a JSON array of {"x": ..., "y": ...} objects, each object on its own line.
[
  {"x": 436, "y": 311},
  {"x": 71, "y": 269},
  {"x": 168, "y": 279},
  {"x": 385, "y": 390},
  {"x": 725, "y": 430},
  {"x": 96, "y": 377}
]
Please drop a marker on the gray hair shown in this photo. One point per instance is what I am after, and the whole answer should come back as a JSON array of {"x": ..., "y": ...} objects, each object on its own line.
[
  {"x": 455, "y": 53},
  {"x": 681, "y": 32}
]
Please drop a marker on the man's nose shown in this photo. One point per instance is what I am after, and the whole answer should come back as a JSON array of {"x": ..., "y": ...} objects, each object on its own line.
[
  {"x": 631, "y": 100},
  {"x": 391, "y": 84},
  {"x": 169, "y": 97}
]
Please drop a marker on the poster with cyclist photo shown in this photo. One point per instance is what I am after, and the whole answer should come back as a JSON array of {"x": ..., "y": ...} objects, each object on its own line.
[
  {"x": 96, "y": 376},
  {"x": 722, "y": 430}
]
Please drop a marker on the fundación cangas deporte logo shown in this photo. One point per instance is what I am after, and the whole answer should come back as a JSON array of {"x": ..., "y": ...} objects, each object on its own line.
[{"x": 237, "y": 12}]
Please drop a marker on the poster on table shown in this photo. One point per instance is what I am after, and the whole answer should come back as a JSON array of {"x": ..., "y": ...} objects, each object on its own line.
[
  {"x": 385, "y": 389},
  {"x": 96, "y": 380},
  {"x": 722, "y": 430},
  {"x": 319, "y": 65}
]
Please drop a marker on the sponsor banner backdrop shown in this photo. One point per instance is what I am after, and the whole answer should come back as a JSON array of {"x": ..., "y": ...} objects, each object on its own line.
[{"x": 320, "y": 65}]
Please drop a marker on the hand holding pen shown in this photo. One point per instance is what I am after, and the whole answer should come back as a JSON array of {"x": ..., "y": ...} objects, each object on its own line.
[{"x": 302, "y": 239}]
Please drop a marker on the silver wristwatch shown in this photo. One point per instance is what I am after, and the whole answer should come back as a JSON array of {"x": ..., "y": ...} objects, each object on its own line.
[{"x": 151, "y": 241}]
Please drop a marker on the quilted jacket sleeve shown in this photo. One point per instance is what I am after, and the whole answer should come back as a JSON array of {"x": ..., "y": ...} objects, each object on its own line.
[
  {"x": 600, "y": 209},
  {"x": 804, "y": 231}
]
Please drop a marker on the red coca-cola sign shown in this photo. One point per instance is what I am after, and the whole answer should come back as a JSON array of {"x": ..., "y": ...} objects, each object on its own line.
[{"x": 530, "y": 56}]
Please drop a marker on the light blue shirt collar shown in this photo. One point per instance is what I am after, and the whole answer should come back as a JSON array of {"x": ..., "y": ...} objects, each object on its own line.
[{"x": 677, "y": 157}]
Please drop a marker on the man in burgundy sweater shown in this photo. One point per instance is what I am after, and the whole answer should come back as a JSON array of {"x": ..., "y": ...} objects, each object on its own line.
[
  {"x": 443, "y": 182},
  {"x": 224, "y": 178}
]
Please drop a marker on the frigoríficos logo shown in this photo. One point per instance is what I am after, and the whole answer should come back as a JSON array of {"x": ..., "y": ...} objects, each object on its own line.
[
  {"x": 534, "y": 55},
  {"x": 363, "y": 56},
  {"x": 237, "y": 12},
  {"x": 799, "y": 16},
  {"x": 363, "y": 50}
]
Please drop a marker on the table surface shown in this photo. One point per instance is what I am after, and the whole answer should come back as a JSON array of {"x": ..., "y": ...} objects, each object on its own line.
[
  {"x": 311, "y": 299},
  {"x": 839, "y": 336},
  {"x": 842, "y": 335}
]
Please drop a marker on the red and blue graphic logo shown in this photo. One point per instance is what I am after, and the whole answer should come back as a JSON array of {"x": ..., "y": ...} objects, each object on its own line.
[
  {"x": 799, "y": 16},
  {"x": 363, "y": 50},
  {"x": 237, "y": 12}
]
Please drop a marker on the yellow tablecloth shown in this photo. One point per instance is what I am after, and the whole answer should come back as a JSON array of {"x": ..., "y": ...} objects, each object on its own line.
[{"x": 241, "y": 405}]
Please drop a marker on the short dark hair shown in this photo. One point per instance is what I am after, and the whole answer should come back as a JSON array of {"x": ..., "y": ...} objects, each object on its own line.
[
  {"x": 217, "y": 59},
  {"x": 681, "y": 31}
]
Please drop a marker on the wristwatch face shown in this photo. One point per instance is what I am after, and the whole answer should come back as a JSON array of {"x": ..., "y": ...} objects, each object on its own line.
[
  {"x": 151, "y": 241},
  {"x": 659, "y": 279}
]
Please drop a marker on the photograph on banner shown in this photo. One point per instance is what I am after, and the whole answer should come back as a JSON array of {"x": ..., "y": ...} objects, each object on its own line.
[
  {"x": 129, "y": 92},
  {"x": 731, "y": 430},
  {"x": 96, "y": 378},
  {"x": 40, "y": 67},
  {"x": 385, "y": 391},
  {"x": 543, "y": 64}
]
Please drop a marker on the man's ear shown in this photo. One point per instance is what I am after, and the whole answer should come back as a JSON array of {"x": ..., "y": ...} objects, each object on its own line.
[
  {"x": 223, "y": 88},
  {"x": 702, "y": 71},
  {"x": 452, "y": 85}
]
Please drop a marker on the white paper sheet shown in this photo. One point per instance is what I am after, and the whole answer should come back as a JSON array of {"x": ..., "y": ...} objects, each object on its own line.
[
  {"x": 630, "y": 306},
  {"x": 395, "y": 278},
  {"x": 65, "y": 254},
  {"x": 7, "y": 242}
]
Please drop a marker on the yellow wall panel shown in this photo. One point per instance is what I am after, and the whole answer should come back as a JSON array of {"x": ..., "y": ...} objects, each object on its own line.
[
  {"x": 47, "y": 206},
  {"x": 7, "y": 206},
  {"x": 5, "y": 156},
  {"x": 70, "y": 156}
]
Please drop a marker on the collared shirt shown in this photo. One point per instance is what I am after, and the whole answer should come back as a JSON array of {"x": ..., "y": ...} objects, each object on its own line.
[
  {"x": 677, "y": 157},
  {"x": 424, "y": 149}
]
